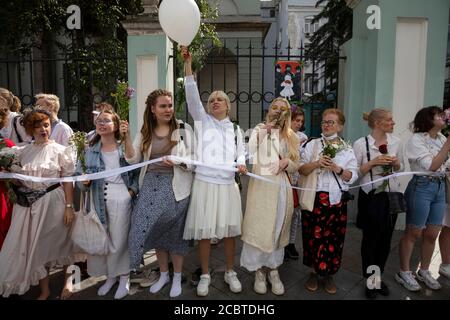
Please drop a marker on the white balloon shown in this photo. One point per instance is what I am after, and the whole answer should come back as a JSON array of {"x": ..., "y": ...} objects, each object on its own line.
[{"x": 180, "y": 20}]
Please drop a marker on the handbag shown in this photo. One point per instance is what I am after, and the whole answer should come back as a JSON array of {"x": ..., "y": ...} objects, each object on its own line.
[
  {"x": 307, "y": 197},
  {"x": 88, "y": 233},
  {"x": 25, "y": 197},
  {"x": 397, "y": 202}
]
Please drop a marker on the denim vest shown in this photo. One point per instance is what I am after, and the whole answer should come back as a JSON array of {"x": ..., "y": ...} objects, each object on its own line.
[{"x": 94, "y": 163}]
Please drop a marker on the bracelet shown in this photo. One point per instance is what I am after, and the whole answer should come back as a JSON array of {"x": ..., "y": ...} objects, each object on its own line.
[{"x": 69, "y": 205}]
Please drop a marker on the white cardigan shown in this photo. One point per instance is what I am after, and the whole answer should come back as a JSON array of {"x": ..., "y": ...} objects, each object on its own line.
[
  {"x": 182, "y": 178},
  {"x": 216, "y": 143}
]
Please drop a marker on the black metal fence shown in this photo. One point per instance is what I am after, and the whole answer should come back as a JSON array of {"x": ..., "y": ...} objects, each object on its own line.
[
  {"x": 79, "y": 79},
  {"x": 246, "y": 71}
]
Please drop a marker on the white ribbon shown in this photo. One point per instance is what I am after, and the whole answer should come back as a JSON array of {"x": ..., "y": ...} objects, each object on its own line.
[{"x": 175, "y": 159}]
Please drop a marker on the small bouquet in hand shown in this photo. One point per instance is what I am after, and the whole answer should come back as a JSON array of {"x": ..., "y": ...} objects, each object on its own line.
[
  {"x": 331, "y": 149},
  {"x": 9, "y": 162},
  {"x": 122, "y": 99},
  {"x": 78, "y": 141},
  {"x": 387, "y": 170}
]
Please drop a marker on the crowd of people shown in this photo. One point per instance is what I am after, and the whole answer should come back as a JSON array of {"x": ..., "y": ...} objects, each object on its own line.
[{"x": 168, "y": 205}]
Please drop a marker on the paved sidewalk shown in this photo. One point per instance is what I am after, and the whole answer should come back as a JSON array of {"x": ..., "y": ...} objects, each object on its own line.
[{"x": 293, "y": 274}]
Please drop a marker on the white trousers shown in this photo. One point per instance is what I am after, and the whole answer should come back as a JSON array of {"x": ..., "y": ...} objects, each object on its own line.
[{"x": 118, "y": 211}]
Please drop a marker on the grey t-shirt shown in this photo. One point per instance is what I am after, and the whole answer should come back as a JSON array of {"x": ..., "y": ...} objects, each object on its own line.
[{"x": 161, "y": 147}]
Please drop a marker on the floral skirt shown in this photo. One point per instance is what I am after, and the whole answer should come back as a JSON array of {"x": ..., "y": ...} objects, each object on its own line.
[{"x": 323, "y": 235}]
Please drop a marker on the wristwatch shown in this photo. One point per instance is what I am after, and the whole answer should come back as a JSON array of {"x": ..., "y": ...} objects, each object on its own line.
[
  {"x": 69, "y": 205},
  {"x": 341, "y": 172}
]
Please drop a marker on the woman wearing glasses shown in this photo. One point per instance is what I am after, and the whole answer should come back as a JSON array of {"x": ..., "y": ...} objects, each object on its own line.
[
  {"x": 267, "y": 221},
  {"x": 324, "y": 227},
  {"x": 112, "y": 198}
]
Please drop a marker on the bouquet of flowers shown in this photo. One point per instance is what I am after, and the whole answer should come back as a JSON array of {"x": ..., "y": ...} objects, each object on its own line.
[
  {"x": 122, "y": 99},
  {"x": 331, "y": 149},
  {"x": 387, "y": 170},
  {"x": 78, "y": 141},
  {"x": 9, "y": 162}
]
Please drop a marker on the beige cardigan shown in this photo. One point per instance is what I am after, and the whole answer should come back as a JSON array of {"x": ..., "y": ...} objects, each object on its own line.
[
  {"x": 258, "y": 227},
  {"x": 182, "y": 178}
]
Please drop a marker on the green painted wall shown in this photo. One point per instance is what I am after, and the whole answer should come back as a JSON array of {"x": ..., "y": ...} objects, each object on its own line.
[
  {"x": 144, "y": 45},
  {"x": 371, "y": 57}
]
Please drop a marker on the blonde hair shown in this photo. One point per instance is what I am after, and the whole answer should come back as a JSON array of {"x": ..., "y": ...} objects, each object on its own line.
[
  {"x": 12, "y": 102},
  {"x": 220, "y": 94},
  {"x": 375, "y": 115},
  {"x": 50, "y": 98},
  {"x": 286, "y": 131}
]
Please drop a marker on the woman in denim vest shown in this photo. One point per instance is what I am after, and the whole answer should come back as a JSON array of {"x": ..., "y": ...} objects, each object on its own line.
[
  {"x": 427, "y": 151},
  {"x": 112, "y": 199}
]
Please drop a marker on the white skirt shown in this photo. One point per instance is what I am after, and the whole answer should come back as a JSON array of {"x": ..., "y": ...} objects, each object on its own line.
[
  {"x": 253, "y": 258},
  {"x": 118, "y": 210},
  {"x": 215, "y": 211}
]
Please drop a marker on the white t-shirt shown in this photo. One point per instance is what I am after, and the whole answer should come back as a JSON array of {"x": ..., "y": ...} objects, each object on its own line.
[
  {"x": 421, "y": 149},
  {"x": 112, "y": 161},
  {"x": 61, "y": 133},
  {"x": 394, "y": 146}
]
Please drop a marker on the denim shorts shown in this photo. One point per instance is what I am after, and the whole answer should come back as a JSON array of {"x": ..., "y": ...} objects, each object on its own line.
[{"x": 425, "y": 201}]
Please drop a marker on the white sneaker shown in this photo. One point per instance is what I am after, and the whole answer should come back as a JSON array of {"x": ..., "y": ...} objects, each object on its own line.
[
  {"x": 275, "y": 281},
  {"x": 203, "y": 285},
  {"x": 444, "y": 270},
  {"x": 426, "y": 277},
  {"x": 260, "y": 286},
  {"x": 407, "y": 280},
  {"x": 230, "y": 277}
]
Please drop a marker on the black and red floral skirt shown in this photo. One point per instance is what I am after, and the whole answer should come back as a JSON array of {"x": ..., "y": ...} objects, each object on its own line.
[{"x": 323, "y": 232}]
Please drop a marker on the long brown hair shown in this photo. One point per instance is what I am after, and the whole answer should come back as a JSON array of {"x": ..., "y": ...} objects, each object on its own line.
[
  {"x": 150, "y": 122},
  {"x": 12, "y": 101},
  {"x": 116, "y": 120}
]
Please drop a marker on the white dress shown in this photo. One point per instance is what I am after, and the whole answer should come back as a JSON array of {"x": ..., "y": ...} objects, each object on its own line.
[
  {"x": 253, "y": 258},
  {"x": 38, "y": 238}
]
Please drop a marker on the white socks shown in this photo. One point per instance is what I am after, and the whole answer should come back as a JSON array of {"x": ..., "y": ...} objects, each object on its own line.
[
  {"x": 163, "y": 280},
  {"x": 175, "y": 291},
  {"x": 124, "y": 287},
  {"x": 104, "y": 289}
]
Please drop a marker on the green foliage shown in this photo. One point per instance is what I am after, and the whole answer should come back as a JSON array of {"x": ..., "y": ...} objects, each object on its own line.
[
  {"x": 325, "y": 42},
  {"x": 122, "y": 98},
  {"x": 79, "y": 142}
]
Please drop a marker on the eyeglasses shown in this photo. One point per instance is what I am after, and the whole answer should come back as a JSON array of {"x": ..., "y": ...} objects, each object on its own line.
[
  {"x": 328, "y": 123},
  {"x": 103, "y": 122}
]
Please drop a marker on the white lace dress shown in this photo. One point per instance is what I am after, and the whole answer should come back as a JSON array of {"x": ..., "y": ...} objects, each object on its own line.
[{"x": 38, "y": 238}]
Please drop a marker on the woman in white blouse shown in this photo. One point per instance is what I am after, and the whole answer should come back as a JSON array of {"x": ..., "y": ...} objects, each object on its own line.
[
  {"x": 427, "y": 151},
  {"x": 378, "y": 154},
  {"x": 324, "y": 227}
]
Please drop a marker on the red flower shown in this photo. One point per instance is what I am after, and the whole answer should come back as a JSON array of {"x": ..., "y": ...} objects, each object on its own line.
[
  {"x": 325, "y": 202},
  {"x": 317, "y": 232},
  {"x": 343, "y": 230},
  {"x": 327, "y": 233},
  {"x": 323, "y": 196},
  {"x": 331, "y": 248},
  {"x": 322, "y": 266},
  {"x": 336, "y": 261},
  {"x": 343, "y": 218},
  {"x": 310, "y": 242},
  {"x": 316, "y": 211},
  {"x": 383, "y": 149}
]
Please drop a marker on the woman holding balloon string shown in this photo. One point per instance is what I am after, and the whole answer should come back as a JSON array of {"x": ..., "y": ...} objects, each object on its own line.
[{"x": 215, "y": 209}]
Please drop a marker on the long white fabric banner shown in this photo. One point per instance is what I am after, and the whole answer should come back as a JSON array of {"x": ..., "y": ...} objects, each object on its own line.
[{"x": 175, "y": 159}]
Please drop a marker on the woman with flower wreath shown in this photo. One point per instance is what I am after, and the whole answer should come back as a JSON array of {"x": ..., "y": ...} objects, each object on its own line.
[
  {"x": 378, "y": 154},
  {"x": 323, "y": 228}
]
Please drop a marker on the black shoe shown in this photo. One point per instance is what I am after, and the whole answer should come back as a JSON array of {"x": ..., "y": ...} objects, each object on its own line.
[
  {"x": 290, "y": 252},
  {"x": 384, "y": 290},
  {"x": 371, "y": 293}
]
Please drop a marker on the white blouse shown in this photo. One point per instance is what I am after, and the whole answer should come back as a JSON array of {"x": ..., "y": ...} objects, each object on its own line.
[
  {"x": 421, "y": 149},
  {"x": 394, "y": 146},
  {"x": 326, "y": 181}
]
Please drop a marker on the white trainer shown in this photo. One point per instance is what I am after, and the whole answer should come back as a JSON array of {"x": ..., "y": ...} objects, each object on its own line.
[
  {"x": 444, "y": 270},
  {"x": 426, "y": 277},
  {"x": 275, "y": 281},
  {"x": 407, "y": 280},
  {"x": 230, "y": 277},
  {"x": 260, "y": 286},
  {"x": 203, "y": 285}
]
